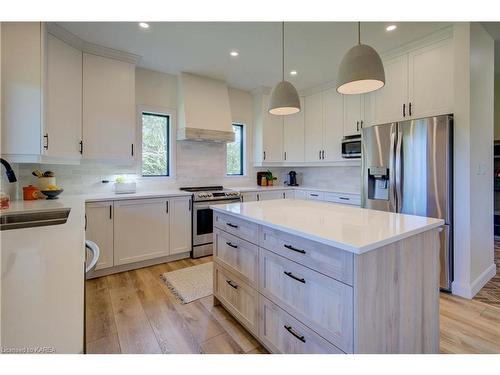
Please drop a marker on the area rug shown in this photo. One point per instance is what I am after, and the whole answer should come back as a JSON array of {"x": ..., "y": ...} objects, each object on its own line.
[{"x": 190, "y": 283}]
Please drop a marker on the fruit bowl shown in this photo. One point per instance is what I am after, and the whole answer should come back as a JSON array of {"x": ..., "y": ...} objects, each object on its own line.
[{"x": 52, "y": 194}]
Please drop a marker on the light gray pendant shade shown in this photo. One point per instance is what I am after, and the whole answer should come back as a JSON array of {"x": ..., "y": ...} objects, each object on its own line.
[
  {"x": 361, "y": 70},
  {"x": 284, "y": 97}
]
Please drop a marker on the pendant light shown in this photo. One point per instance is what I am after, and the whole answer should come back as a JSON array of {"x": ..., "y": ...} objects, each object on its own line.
[
  {"x": 361, "y": 70},
  {"x": 284, "y": 97}
]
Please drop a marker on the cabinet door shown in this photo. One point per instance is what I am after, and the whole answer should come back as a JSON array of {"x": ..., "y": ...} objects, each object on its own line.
[
  {"x": 293, "y": 134},
  {"x": 272, "y": 133},
  {"x": 268, "y": 195},
  {"x": 141, "y": 229},
  {"x": 63, "y": 126},
  {"x": 180, "y": 225},
  {"x": 431, "y": 80},
  {"x": 249, "y": 197},
  {"x": 353, "y": 114},
  {"x": 386, "y": 104},
  {"x": 108, "y": 108},
  {"x": 289, "y": 194},
  {"x": 314, "y": 127},
  {"x": 333, "y": 119},
  {"x": 99, "y": 229},
  {"x": 21, "y": 88}
]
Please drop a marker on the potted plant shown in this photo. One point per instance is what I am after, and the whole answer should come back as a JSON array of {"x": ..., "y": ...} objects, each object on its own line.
[{"x": 270, "y": 178}]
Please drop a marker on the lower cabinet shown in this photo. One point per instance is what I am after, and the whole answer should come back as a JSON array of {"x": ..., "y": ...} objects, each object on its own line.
[
  {"x": 135, "y": 230},
  {"x": 237, "y": 296},
  {"x": 99, "y": 229},
  {"x": 266, "y": 195},
  {"x": 281, "y": 333}
]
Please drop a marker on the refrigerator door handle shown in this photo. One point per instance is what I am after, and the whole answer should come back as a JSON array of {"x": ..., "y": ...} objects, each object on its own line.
[
  {"x": 399, "y": 176},
  {"x": 392, "y": 185}
]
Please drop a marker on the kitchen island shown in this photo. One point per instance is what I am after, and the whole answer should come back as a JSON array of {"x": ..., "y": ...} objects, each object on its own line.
[{"x": 313, "y": 277}]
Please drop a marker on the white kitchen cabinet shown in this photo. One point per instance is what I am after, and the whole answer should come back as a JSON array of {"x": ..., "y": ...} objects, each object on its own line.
[
  {"x": 314, "y": 127},
  {"x": 268, "y": 195},
  {"x": 108, "y": 109},
  {"x": 353, "y": 114},
  {"x": 180, "y": 225},
  {"x": 21, "y": 66},
  {"x": 430, "y": 80},
  {"x": 141, "y": 230},
  {"x": 333, "y": 125},
  {"x": 268, "y": 132},
  {"x": 289, "y": 194},
  {"x": 99, "y": 229},
  {"x": 63, "y": 127},
  {"x": 293, "y": 135},
  {"x": 250, "y": 196}
]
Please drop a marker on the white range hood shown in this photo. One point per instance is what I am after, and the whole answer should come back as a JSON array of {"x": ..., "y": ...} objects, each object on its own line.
[{"x": 204, "y": 111}]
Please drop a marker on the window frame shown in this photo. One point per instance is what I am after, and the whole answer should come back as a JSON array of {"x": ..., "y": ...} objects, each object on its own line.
[
  {"x": 172, "y": 126},
  {"x": 242, "y": 152}
]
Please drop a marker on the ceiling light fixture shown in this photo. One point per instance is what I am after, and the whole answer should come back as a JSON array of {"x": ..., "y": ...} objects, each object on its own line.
[
  {"x": 144, "y": 25},
  {"x": 293, "y": 73},
  {"x": 391, "y": 27},
  {"x": 284, "y": 97},
  {"x": 361, "y": 70},
  {"x": 234, "y": 53}
]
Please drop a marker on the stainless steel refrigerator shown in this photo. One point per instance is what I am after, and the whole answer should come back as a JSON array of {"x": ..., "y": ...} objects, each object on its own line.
[{"x": 407, "y": 168}]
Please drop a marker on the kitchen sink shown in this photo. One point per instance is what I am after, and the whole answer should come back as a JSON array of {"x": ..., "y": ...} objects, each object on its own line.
[{"x": 34, "y": 219}]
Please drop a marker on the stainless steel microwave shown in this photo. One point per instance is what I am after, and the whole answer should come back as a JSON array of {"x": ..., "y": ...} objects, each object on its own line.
[{"x": 351, "y": 147}]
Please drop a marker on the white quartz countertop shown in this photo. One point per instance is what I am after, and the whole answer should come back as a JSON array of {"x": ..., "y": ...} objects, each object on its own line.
[
  {"x": 357, "y": 230},
  {"x": 111, "y": 196},
  {"x": 283, "y": 187}
]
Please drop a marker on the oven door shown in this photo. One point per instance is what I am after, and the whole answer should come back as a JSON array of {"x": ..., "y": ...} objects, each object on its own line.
[{"x": 203, "y": 221}]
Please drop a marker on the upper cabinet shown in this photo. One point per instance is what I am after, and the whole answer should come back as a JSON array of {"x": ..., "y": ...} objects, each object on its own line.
[
  {"x": 63, "y": 125},
  {"x": 293, "y": 135},
  {"x": 108, "y": 109},
  {"x": 353, "y": 114},
  {"x": 314, "y": 127},
  {"x": 418, "y": 84},
  {"x": 268, "y": 132}
]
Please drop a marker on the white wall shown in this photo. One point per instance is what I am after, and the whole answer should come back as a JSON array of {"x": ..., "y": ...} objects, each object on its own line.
[
  {"x": 497, "y": 103},
  {"x": 473, "y": 159}
]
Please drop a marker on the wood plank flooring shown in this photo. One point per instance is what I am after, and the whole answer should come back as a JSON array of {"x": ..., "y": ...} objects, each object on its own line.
[
  {"x": 490, "y": 293},
  {"x": 134, "y": 312}
]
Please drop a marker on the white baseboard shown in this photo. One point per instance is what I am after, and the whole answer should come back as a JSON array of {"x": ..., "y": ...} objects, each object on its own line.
[{"x": 470, "y": 290}]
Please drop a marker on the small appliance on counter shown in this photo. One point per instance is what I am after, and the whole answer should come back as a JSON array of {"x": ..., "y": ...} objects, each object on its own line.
[
  {"x": 292, "y": 179},
  {"x": 351, "y": 147}
]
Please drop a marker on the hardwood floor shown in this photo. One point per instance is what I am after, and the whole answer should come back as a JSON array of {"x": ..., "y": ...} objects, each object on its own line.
[
  {"x": 134, "y": 312},
  {"x": 490, "y": 293}
]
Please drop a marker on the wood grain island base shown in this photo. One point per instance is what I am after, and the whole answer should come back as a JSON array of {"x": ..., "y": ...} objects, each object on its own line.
[{"x": 301, "y": 295}]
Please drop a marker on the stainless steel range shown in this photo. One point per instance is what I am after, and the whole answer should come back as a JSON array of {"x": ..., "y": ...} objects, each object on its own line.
[{"x": 202, "y": 220}]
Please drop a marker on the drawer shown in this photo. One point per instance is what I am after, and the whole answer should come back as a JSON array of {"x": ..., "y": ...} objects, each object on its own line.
[
  {"x": 237, "y": 227},
  {"x": 314, "y": 195},
  {"x": 323, "y": 304},
  {"x": 281, "y": 333},
  {"x": 237, "y": 255},
  {"x": 328, "y": 260},
  {"x": 240, "y": 299},
  {"x": 351, "y": 199}
]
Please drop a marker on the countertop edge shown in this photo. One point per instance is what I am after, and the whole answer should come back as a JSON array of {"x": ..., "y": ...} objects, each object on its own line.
[{"x": 352, "y": 249}]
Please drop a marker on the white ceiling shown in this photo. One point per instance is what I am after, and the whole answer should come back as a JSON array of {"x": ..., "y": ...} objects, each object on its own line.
[{"x": 314, "y": 49}]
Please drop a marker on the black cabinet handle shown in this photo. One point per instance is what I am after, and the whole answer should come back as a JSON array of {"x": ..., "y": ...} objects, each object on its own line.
[
  {"x": 110, "y": 212},
  {"x": 232, "y": 225},
  {"x": 190, "y": 202},
  {"x": 132, "y": 149},
  {"x": 285, "y": 155},
  {"x": 344, "y": 198},
  {"x": 289, "y": 274},
  {"x": 314, "y": 195},
  {"x": 230, "y": 244},
  {"x": 361, "y": 125},
  {"x": 409, "y": 109},
  {"x": 166, "y": 206},
  {"x": 290, "y": 247},
  {"x": 85, "y": 221},
  {"x": 258, "y": 197},
  {"x": 264, "y": 155},
  {"x": 295, "y": 334},
  {"x": 46, "y": 145},
  {"x": 81, "y": 147},
  {"x": 231, "y": 284},
  {"x": 319, "y": 157},
  {"x": 357, "y": 126},
  {"x": 323, "y": 154},
  {"x": 404, "y": 109}
]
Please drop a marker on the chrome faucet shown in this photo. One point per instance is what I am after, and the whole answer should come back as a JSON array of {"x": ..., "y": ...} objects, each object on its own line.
[{"x": 8, "y": 170}]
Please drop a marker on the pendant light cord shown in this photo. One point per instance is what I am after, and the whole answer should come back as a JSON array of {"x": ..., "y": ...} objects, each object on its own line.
[
  {"x": 283, "y": 51},
  {"x": 359, "y": 32}
]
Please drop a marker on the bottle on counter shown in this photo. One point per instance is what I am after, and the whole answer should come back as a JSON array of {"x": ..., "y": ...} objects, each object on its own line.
[
  {"x": 4, "y": 201},
  {"x": 263, "y": 181}
]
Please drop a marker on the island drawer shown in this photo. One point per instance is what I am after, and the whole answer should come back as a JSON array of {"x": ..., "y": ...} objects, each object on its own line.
[
  {"x": 237, "y": 227},
  {"x": 281, "y": 333},
  {"x": 238, "y": 255},
  {"x": 240, "y": 299},
  {"x": 320, "y": 302},
  {"x": 326, "y": 259}
]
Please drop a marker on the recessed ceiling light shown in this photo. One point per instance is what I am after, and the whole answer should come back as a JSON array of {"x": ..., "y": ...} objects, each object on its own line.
[
  {"x": 144, "y": 25},
  {"x": 234, "y": 53},
  {"x": 293, "y": 73},
  {"x": 391, "y": 27}
]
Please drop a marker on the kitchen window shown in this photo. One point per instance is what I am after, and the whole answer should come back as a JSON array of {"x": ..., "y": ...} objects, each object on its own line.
[
  {"x": 155, "y": 144},
  {"x": 234, "y": 158}
]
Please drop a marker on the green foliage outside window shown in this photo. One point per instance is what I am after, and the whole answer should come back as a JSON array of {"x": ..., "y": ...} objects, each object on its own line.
[
  {"x": 155, "y": 144},
  {"x": 235, "y": 152}
]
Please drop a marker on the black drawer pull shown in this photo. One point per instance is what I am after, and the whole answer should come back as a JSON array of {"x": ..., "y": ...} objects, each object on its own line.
[
  {"x": 230, "y": 244},
  {"x": 289, "y": 274},
  {"x": 295, "y": 334},
  {"x": 231, "y": 284},
  {"x": 314, "y": 195},
  {"x": 344, "y": 198},
  {"x": 290, "y": 247},
  {"x": 231, "y": 225}
]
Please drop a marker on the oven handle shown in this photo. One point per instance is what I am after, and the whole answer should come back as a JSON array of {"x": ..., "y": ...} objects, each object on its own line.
[{"x": 198, "y": 206}]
